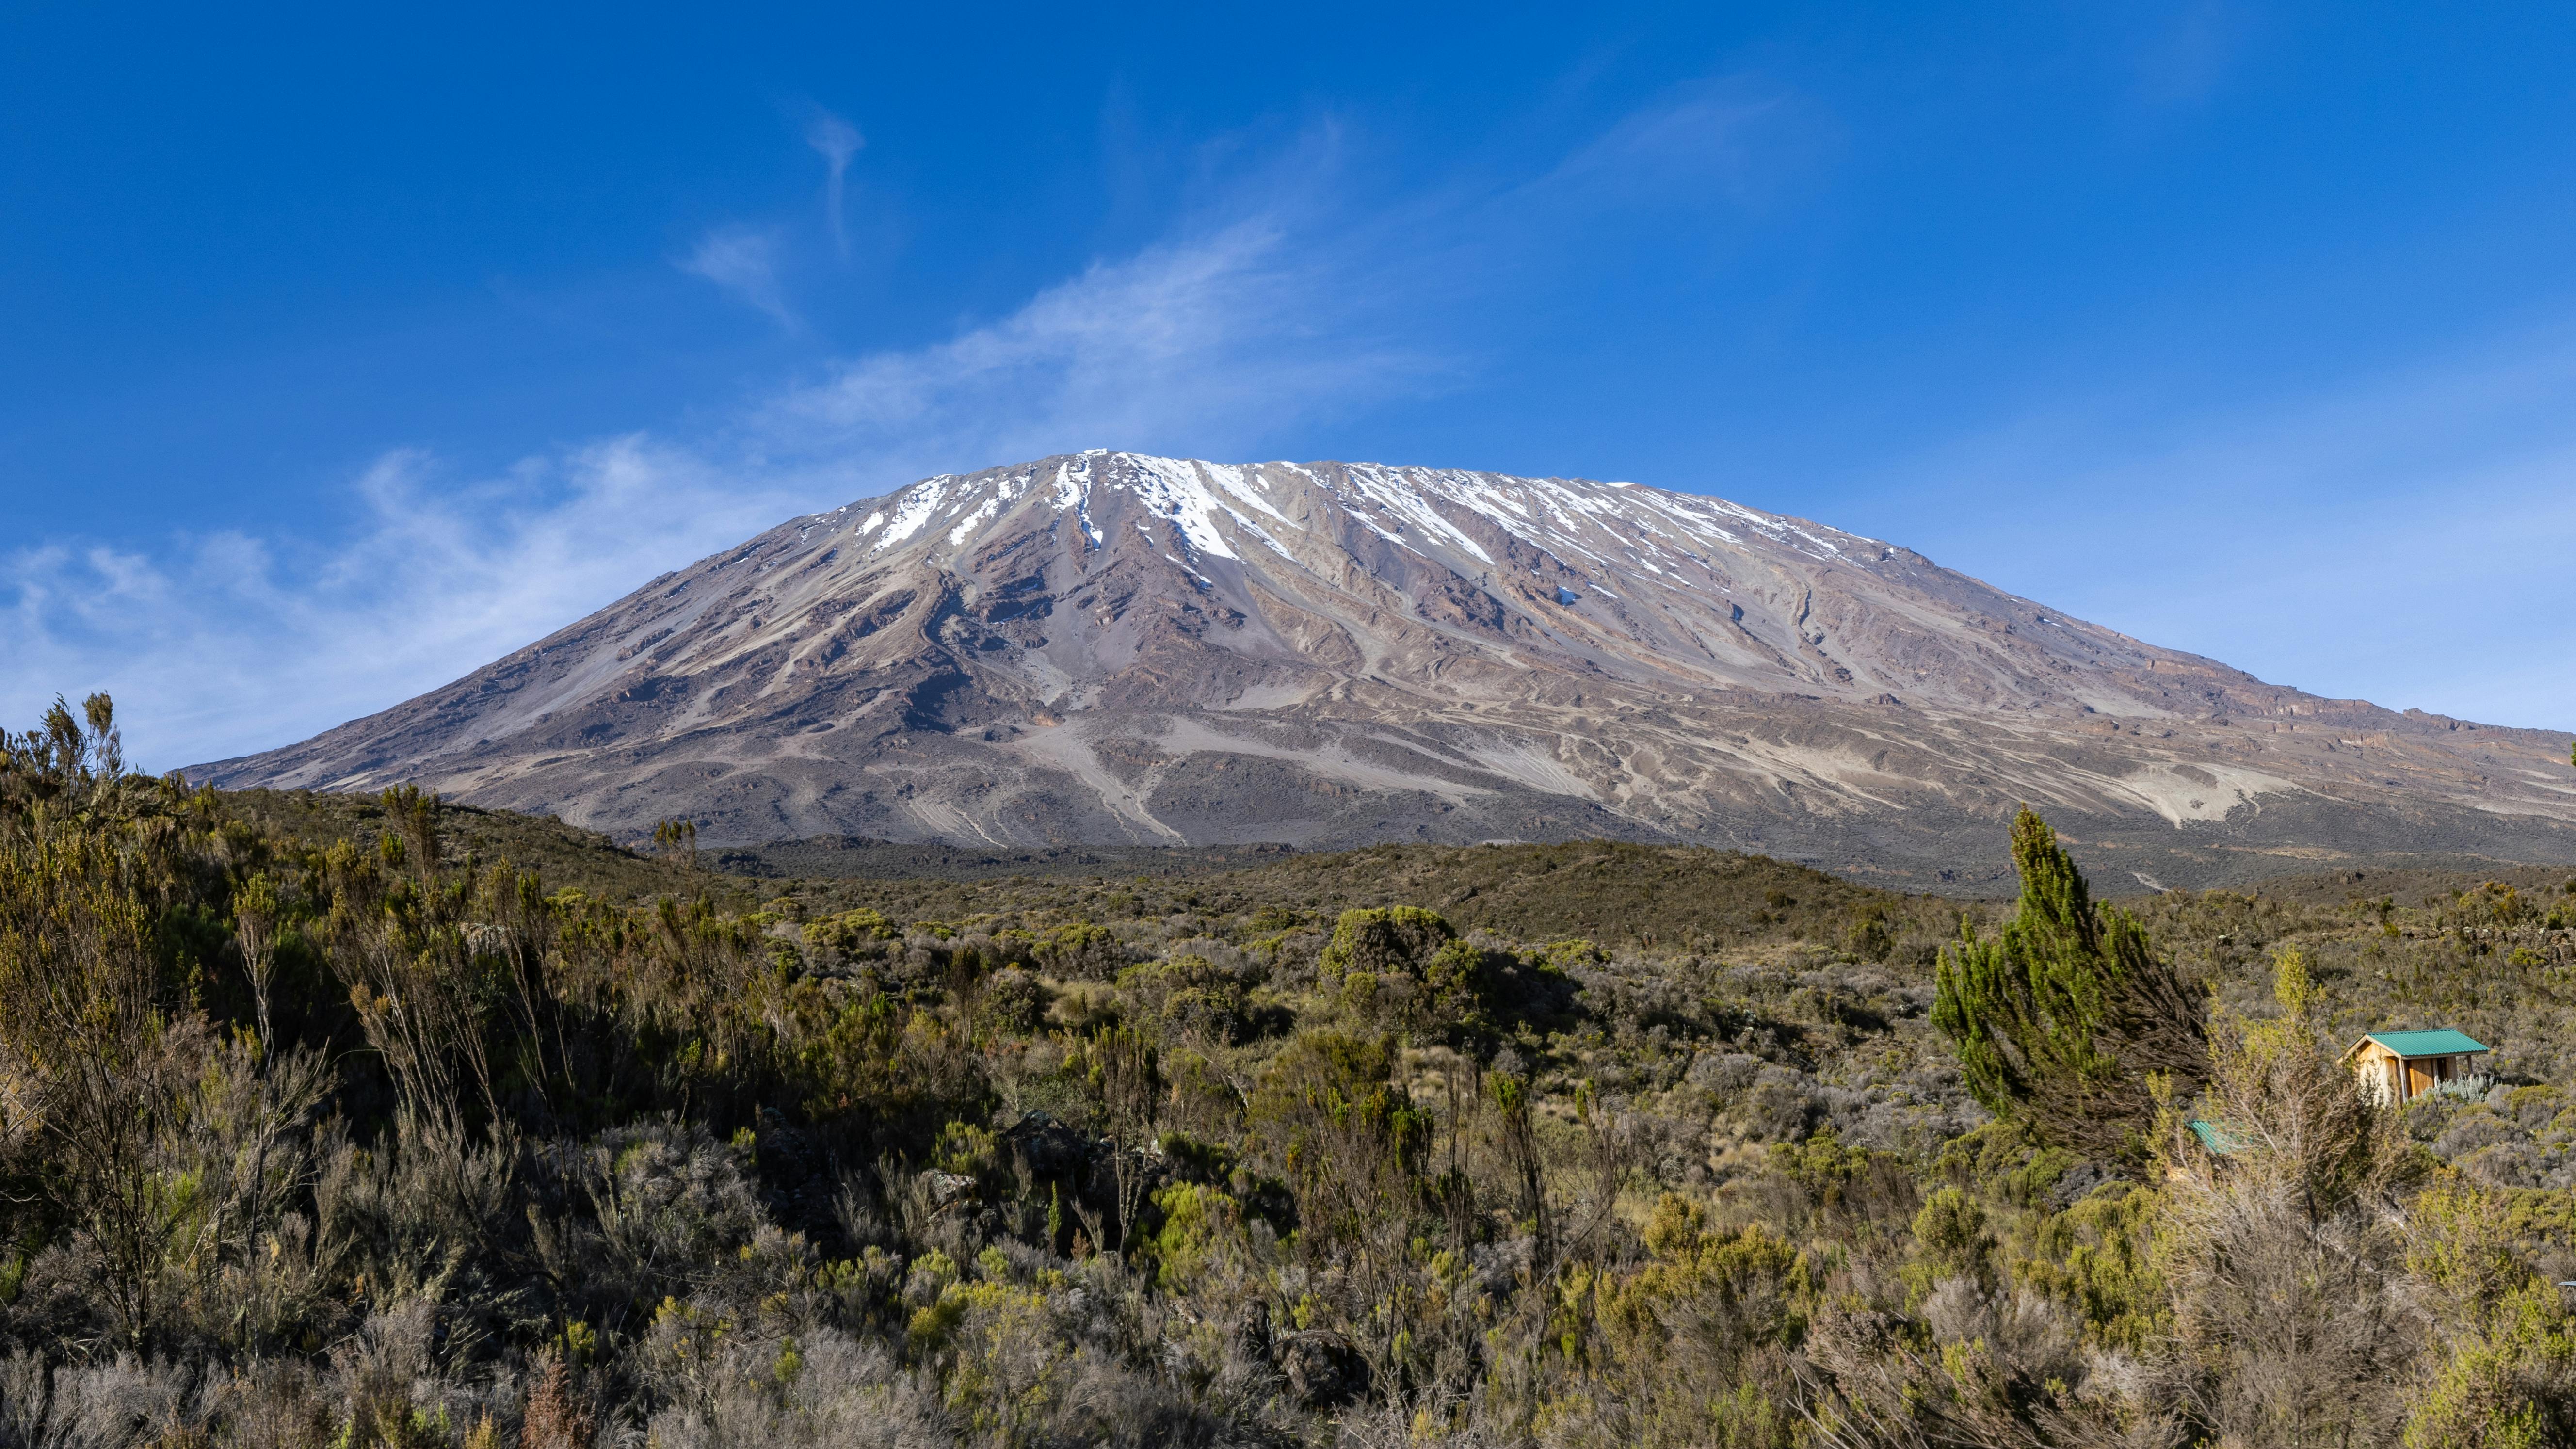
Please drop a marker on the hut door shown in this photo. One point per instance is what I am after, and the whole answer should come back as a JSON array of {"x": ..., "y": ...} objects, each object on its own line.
[{"x": 2419, "y": 1077}]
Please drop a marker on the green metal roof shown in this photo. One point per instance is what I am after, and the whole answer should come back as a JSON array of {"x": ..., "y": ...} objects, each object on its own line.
[
  {"x": 2443, "y": 1043},
  {"x": 2215, "y": 1136}
]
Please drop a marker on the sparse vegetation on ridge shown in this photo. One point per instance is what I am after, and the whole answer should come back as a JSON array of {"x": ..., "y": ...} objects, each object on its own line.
[{"x": 326, "y": 1121}]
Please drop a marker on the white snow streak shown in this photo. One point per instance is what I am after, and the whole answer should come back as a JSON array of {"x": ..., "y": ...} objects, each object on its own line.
[
  {"x": 973, "y": 521},
  {"x": 1191, "y": 494},
  {"x": 918, "y": 503}
]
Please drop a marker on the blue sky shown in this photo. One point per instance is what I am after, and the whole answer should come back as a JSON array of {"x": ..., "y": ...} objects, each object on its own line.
[{"x": 341, "y": 352}]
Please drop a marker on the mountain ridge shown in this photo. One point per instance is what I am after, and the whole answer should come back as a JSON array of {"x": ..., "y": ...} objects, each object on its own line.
[{"x": 1115, "y": 648}]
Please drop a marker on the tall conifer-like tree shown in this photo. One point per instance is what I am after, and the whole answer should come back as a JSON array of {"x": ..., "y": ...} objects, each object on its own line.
[{"x": 2060, "y": 1019}]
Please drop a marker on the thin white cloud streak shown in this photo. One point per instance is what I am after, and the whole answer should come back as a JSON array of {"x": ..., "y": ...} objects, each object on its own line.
[
  {"x": 744, "y": 262},
  {"x": 1740, "y": 140},
  {"x": 1118, "y": 357},
  {"x": 836, "y": 141},
  {"x": 227, "y": 644}
]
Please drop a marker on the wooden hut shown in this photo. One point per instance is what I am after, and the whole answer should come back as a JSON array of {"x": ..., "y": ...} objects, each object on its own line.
[{"x": 2399, "y": 1066}]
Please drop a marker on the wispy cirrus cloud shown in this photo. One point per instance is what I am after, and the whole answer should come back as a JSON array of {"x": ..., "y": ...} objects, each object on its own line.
[
  {"x": 1209, "y": 344},
  {"x": 1740, "y": 140},
  {"x": 743, "y": 261},
  {"x": 836, "y": 141},
  {"x": 226, "y": 643}
]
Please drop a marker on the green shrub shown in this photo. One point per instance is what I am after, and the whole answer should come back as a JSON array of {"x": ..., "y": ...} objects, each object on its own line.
[
  {"x": 850, "y": 933},
  {"x": 1013, "y": 1002}
]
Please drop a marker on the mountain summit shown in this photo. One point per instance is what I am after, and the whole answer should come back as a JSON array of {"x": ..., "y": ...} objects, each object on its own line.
[{"x": 1106, "y": 647}]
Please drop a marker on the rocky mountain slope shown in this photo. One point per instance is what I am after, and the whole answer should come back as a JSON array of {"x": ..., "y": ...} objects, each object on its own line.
[{"x": 1110, "y": 648}]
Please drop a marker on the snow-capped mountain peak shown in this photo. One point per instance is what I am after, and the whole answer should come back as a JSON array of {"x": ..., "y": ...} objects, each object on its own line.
[{"x": 1111, "y": 646}]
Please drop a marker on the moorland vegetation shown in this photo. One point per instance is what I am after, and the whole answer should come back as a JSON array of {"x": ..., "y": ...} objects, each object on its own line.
[{"x": 382, "y": 1122}]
